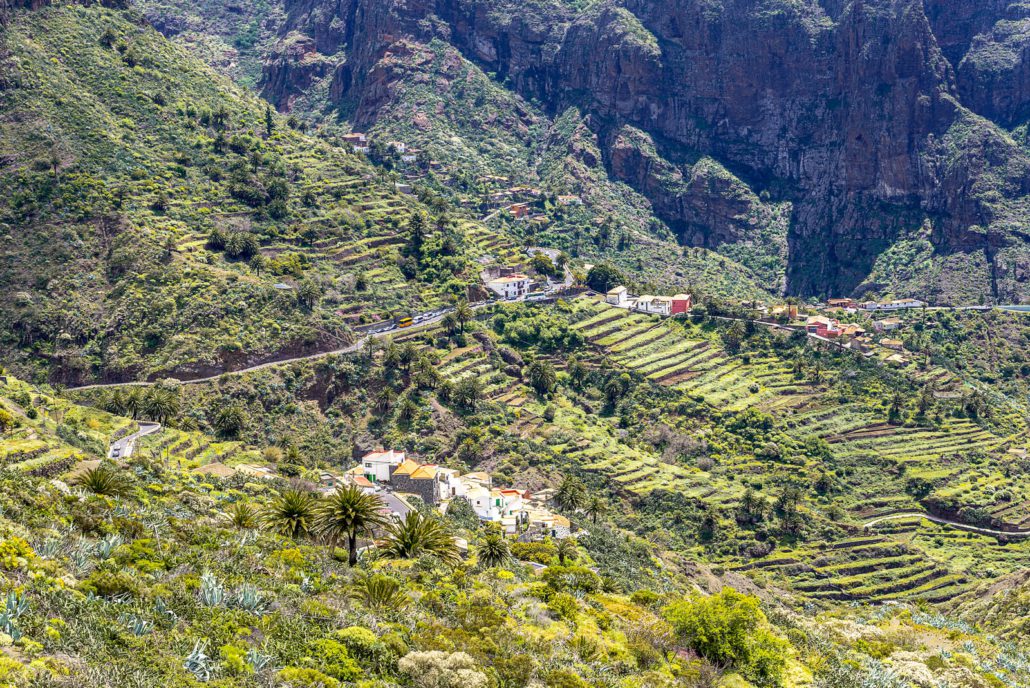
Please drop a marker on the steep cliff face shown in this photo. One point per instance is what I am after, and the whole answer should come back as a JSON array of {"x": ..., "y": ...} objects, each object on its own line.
[
  {"x": 850, "y": 110},
  {"x": 988, "y": 44}
]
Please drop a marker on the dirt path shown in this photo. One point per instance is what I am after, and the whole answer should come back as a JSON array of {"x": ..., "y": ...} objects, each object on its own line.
[{"x": 946, "y": 522}]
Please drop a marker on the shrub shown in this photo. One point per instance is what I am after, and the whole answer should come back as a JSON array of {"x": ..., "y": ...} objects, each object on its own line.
[
  {"x": 109, "y": 584},
  {"x": 15, "y": 553},
  {"x": 297, "y": 677},
  {"x": 335, "y": 660},
  {"x": 438, "y": 669},
  {"x": 564, "y": 606},
  {"x": 729, "y": 628},
  {"x": 564, "y": 678},
  {"x": 573, "y": 579}
]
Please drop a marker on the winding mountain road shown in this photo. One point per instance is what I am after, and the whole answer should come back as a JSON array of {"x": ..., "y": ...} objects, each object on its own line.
[
  {"x": 123, "y": 448},
  {"x": 946, "y": 522},
  {"x": 349, "y": 349}
]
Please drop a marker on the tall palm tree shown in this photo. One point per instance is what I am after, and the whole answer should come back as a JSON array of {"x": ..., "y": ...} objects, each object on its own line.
[
  {"x": 596, "y": 507},
  {"x": 291, "y": 514},
  {"x": 348, "y": 513},
  {"x": 417, "y": 535},
  {"x": 567, "y": 550},
  {"x": 571, "y": 494},
  {"x": 494, "y": 551},
  {"x": 463, "y": 313}
]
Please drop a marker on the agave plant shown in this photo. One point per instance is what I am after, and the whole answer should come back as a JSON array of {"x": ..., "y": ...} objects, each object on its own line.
[
  {"x": 49, "y": 548},
  {"x": 137, "y": 625},
  {"x": 291, "y": 513},
  {"x": 108, "y": 545},
  {"x": 257, "y": 661},
  {"x": 380, "y": 593},
  {"x": 248, "y": 598},
  {"x": 162, "y": 610},
  {"x": 417, "y": 535},
  {"x": 198, "y": 663},
  {"x": 211, "y": 593},
  {"x": 103, "y": 480}
]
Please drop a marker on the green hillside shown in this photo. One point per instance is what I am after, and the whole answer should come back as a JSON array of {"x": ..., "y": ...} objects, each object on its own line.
[
  {"x": 146, "y": 571},
  {"x": 161, "y": 219}
]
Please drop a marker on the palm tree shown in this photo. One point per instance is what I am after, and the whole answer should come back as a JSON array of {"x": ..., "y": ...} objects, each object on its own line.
[
  {"x": 103, "y": 480},
  {"x": 567, "y": 550},
  {"x": 291, "y": 513},
  {"x": 417, "y": 535},
  {"x": 571, "y": 494},
  {"x": 542, "y": 377},
  {"x": 494, "y": 551},
  {"x": 161, "y": 404},
  {"x": 348, "y": 513},
  {"x": 241, "y": 515},
  {"x": 463, "y": 313},
  {"x": 595, "y": 507},
  {"x": 380, "y": 593},
  {"x": 133, "y": 402}
]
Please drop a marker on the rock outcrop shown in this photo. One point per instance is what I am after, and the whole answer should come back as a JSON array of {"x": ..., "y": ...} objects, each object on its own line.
[{"x": 854, "y": 111}]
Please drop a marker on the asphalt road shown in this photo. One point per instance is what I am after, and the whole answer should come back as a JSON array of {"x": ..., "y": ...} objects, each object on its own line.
[
  {"x": 123, "y": 448},
  {"x": 946, "y": 522}
]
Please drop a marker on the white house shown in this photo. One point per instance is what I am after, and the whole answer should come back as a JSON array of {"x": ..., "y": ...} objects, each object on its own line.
[
  {"x": 617, "y": 296},
  {"x": 451, "y": 483},
  {"x": 378, "y": 465},
  {"x": 659, "y": 305},
  {"x": 895, "y": 305},
  {"x": 511, "y": 286}
]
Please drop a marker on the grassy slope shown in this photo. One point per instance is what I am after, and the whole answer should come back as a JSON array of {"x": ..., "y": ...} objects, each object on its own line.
[{"x": 108, "y": 259}]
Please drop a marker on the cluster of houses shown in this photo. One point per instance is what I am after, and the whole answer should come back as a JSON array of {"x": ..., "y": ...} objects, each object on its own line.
[
  {"x": 515, "y": 510},
  {"x": 855, "y": 337},
  {"x": 360, "y": 144},
  {"x": 891, "y": 305},
  {"x": 657, "y": 305}
]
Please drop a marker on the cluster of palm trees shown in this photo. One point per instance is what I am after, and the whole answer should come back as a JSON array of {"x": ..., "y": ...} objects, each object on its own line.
[
  {"x": 158, "y": 403},
  {"x": 343, "y": 517},
  {"x": 572, "y": 496}
]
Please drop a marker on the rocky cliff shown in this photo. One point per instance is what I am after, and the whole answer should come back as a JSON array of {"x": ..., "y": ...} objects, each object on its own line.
[{"x": 860, "y": 113}]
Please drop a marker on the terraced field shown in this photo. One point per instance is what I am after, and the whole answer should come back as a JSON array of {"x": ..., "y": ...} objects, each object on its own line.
[
  {"x": 871, "y": 568},
  {"x": 666, "y": 353}
]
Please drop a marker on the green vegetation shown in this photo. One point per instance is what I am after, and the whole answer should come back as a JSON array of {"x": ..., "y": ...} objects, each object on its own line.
[{"x": 165, "y": 226}]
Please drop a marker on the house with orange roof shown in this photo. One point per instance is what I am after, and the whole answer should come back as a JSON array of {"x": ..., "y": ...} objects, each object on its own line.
[{"x": 422, "y": 480}]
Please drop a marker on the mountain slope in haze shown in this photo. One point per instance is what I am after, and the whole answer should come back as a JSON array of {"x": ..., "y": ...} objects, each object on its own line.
[{"x": 159, "y": 218}]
